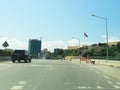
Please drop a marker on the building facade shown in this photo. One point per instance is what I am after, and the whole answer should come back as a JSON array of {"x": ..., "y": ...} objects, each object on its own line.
[{"x": 34, "y": 47}]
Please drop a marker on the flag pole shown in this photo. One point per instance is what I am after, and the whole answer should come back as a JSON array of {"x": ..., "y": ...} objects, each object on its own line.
[
  {"x": 85, "y": 36},
  {"x": 84, "y": 46}
]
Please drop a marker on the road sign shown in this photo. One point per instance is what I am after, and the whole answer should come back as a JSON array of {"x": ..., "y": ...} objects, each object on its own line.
[{"x": 5, "y": 44}]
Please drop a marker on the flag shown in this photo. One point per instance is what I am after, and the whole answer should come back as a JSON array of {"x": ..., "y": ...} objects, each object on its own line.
[{"x": 85, "y": 35}]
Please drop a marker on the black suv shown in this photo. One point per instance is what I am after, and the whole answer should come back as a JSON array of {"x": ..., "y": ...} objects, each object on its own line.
[{"x": 21, "y": 55}]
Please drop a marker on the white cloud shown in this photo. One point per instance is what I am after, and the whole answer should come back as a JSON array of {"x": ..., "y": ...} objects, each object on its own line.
[
  {"x": 50, "y": 45},
  {"x": 73, "y": 42},
  {"x": 111, "y": 38},
  {"x": 17, "y": 44},
  {"x": 13, "y": 43}
]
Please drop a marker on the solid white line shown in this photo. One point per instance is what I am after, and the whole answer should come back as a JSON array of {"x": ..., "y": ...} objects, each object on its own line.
[
  {"x": 116, "y": 86},
  {"x": 16, "y": 88},
  {"x": 106, "y": 77}
]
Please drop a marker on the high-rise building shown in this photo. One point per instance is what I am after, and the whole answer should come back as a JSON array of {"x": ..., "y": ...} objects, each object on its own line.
[{"x": 34, "y": 46}]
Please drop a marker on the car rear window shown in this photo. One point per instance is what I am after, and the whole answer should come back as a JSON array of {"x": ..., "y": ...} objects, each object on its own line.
[{"x": 19, "y": 52}]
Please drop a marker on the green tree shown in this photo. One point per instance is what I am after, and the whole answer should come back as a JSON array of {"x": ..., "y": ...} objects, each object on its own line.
[{"x": 118, "y": 46}]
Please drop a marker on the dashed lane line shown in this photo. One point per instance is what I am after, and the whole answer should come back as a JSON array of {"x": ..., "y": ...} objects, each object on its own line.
[
  {"x": 118, "y": 83},
  {"x": 97, "y": 72},
  {"x": 5, "y": 67},
  {"x": 22, "y": 82},
  {"x": 40, "y": 65},
  {"x": 116, "y": 86},
  {"x": 99, "y": 87},
  {"x": 106, "y": 77},
  {"x": 91, "y": 69},
  {"x": 17, "y": 87},
  {"x": 109, "y": 82},
  {"x": 51, "y": 68},
  {"x": 83, "y": 87},
  {"x": 69, "y": 83}
]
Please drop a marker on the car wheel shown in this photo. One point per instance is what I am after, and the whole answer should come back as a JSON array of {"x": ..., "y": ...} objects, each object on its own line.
[
  {"x": 29, "y": 60},
  {"x": 25, "y": 60},
  {"x": 13, "y": 61},
  {"x": 18, "y": 60}
]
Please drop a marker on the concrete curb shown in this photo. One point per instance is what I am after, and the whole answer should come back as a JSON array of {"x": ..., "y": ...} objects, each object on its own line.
[{"x": 108, "y": 63}]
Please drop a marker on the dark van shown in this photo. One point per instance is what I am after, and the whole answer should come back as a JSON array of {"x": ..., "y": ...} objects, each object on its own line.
[{"x": 19, "y": 55}]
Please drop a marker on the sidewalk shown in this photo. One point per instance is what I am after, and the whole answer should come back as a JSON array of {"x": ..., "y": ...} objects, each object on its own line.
[{"x": 110, "y": 63}]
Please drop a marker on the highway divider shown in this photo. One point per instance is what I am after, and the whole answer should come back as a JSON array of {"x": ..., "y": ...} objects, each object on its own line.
[
  {"x": 5, "y": 58},
  {"x": 111, "y": 63}
]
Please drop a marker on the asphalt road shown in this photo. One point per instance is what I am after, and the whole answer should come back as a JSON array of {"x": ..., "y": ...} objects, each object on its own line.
[{"x": 57, "y": 75}]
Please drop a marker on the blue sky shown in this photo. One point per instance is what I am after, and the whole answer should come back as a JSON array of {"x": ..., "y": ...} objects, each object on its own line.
[{"x": 57, "y": 21}]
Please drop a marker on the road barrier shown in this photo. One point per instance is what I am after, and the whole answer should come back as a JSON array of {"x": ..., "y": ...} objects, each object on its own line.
[
  {"x": 86, "y": 59},
  {"x": 5, "y": 58}
]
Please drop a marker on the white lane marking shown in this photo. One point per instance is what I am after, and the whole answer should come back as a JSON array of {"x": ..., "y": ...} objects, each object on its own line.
[
  {"x": 40, "y": 65},
  {"x": 5, "y": 66},
  {"x": 97, "y": 72},
  {"x": 89, "y": 87},
  {"x": 22, "y": 82},
  {"x": 37, "y": 85},
  {"x": 17, "y": 88},
  {"x": 116, "y": 86},
  {"x": 118, "y": 83},
  {"x": 106, "y": 77},
  {"x": 91, "y": 69},
  {"x": 51, "y": 68},
  {"x": 83, "y": 87},
  {"x": 67, "y": 83},
  {"x": 99, "y": 87},
  {"x": 91, "y": 66},
  {"x": 80, "y": 87},
  {"x": 77, "y": 66},
  {"x": 109, "y": 82}
]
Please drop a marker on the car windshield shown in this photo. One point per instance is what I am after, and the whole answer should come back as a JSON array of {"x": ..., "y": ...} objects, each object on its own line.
[
  {"x": 19, "y": 52},
  {"x": 59, "y": 45}
]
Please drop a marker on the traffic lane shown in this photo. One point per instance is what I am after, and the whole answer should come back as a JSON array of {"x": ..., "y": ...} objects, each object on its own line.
[
  {"x": 90, "y": 78},
  {"x": 113, "y": 82},
  {"x": 62, "y": 77},
  {"x": 32, "y": 74},
  {"x": 55, "y": 76},
  {"x": 9, "y": 75},
  {"x": 111, "y": 71},
  {"x": 17, "y": 76},
  {"x": 4, "y": 74}
]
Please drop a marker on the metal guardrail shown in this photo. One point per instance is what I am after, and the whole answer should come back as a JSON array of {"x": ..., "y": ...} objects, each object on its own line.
[{"x": 5, "y": 58}]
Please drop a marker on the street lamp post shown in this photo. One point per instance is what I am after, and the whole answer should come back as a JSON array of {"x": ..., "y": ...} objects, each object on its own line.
[{"x": 106, "y": 33}]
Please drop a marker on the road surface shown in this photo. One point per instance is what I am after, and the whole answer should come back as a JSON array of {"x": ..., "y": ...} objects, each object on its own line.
[{"x": 57, "y": 75}]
